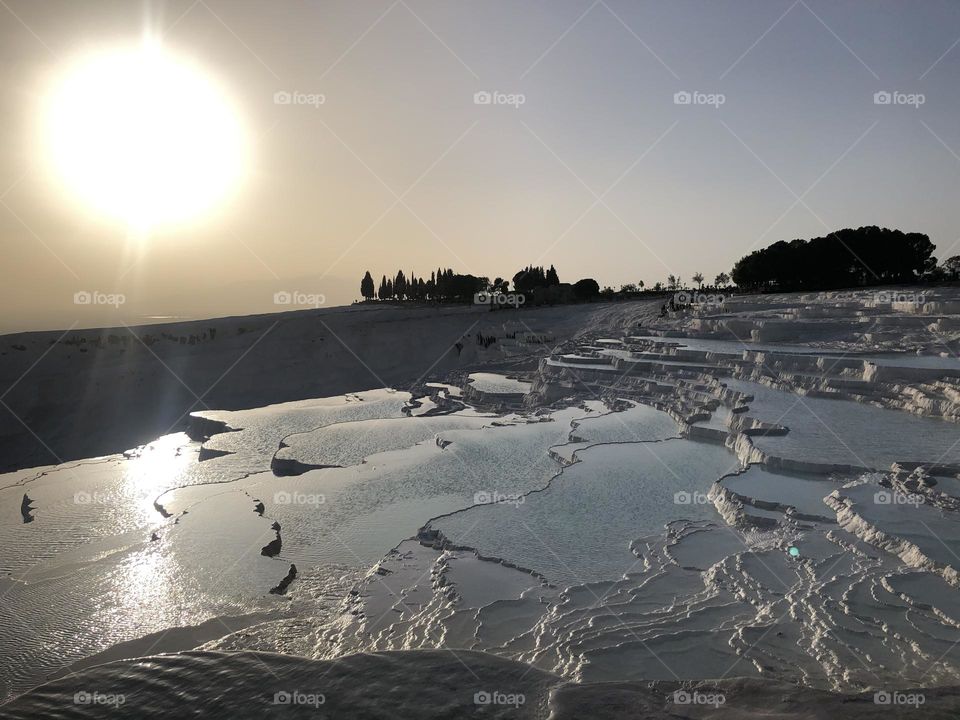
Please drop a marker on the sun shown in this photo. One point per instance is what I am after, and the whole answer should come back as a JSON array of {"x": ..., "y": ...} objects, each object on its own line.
[{"x": 141, "y": 136}]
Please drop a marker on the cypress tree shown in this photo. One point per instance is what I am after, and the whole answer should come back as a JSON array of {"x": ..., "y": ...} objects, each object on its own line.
[{"x": 366, "y": 286}]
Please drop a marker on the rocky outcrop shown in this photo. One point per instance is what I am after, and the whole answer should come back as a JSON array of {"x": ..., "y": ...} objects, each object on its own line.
[
  {"x": 284, "y": 584},
  {"x": 202, "y": 428},
  {"x": 26, "y": 509},
  {"x": 207, "y": 453},
  {"x": 290, "y": 467},
  {"x": 273, "y": 548}
]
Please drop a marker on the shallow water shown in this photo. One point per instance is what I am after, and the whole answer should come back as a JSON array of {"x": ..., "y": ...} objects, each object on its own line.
[
  {"x": 493, "y": 383},
  {"x": 348, "y": 443},
  {"x": 635, "y": 424},
  {"x": 848, "y": 433},
  {"x": 805, "y": 493},
  {"x": 620, "y": 552},
  {"x": 580, "y": 528},
  {"x": 907, "y": 360}
]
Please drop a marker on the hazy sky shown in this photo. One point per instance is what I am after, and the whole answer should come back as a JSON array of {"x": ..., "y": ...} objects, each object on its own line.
[{"x": 599, "y": 171}]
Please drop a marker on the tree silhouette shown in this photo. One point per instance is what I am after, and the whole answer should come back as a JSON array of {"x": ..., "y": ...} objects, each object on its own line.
[
  {"x": 586, "y": 289},
  {"x": 846, "y": 258},
  {"x": 952, "y": 267},
  {"x": 721, "y": 280},
  {"x": 366, "y": 286},
  {"x": 529, "y": 278},
  {"x": 698, "y": 279}
]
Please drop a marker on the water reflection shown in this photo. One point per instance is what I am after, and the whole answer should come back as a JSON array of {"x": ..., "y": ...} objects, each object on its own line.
[{"x": 153, "y": 468}]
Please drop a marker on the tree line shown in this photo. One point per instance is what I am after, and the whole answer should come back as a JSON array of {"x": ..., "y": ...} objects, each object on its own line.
[
  {"x": 859, "y": 257},
  {"x": 846, "y": 258},
  {"x": 442, "y": 285},
  {"x": 673, "y": 282},
  {"x": 535, "y": 282}
]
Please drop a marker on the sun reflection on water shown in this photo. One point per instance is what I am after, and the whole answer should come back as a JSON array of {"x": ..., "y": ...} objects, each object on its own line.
[
  {"x": 147, "y": 583},
  {"x": 154, "y": 468}
]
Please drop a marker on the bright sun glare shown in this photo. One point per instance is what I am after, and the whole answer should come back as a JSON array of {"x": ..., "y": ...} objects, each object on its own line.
[{"x": 143, "y": 137}]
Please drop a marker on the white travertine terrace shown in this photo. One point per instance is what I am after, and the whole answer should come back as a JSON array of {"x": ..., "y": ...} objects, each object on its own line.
[{"x": 626, "y": 510}]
